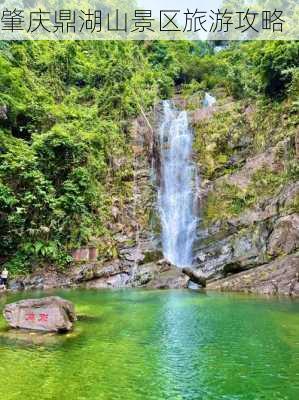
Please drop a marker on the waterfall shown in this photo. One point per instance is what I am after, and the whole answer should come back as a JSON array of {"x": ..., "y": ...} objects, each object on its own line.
[
  {"x": 178, "y": 186},
  {"x": 209, "y": 100}
]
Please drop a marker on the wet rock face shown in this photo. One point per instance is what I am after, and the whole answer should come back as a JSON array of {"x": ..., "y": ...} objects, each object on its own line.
[
  {"x": 285, "y": 236},
  {"x": 160, "y": 276},
  {"x": 116, "y": 281},
  {"x": 49, "y": 314},
  {"x": 242, "y": 178},
  {"x": 280, "y": 276},
  {"x": 257, "y": 236},
  {"x": 48, "y": 278},
  {"x": 257, "y": 248},
  {"x": 242, "y": 250},
  {"x": 110, "y": 275},
  {"x": 151, "y": 275}
]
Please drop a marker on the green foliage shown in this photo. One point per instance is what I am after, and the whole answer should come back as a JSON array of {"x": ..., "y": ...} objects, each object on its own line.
[
  {"x": 65, "y": 114},
  {"x": 250, "y": 69},
  {"x": 275, "y": 64},
  {"x": 218, "y": 136},
  {"x": 266, "y": 183},
  {"x": 234, "y": 200},
  {"x": 64, "y": 142}
]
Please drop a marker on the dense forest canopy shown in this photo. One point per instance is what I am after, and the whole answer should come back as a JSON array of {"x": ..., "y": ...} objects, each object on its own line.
[{"x": 65, "y": 114}]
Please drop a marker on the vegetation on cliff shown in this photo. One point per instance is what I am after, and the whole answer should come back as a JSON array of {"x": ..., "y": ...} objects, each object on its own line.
[
  {"x": 257, "y": 87},
  {"x": 65, "y": 115}
]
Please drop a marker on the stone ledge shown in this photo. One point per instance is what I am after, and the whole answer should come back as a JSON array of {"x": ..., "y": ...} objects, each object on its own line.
[{"x": 280, "y": 277}]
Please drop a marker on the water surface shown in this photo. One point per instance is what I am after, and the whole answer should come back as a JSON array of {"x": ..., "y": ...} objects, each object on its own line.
[{"x": 158, "y": 345}]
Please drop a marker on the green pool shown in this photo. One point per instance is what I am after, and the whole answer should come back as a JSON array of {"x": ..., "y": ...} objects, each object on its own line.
[{"x": 152, "y": 345}]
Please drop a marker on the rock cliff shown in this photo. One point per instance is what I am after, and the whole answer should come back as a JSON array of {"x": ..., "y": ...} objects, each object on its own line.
[
  {"x": 248, "y": 235},
  {"x": 248, "y": 231}
]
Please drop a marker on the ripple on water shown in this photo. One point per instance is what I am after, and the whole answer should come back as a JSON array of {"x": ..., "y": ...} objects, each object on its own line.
[{"x": 160, "y": 345}]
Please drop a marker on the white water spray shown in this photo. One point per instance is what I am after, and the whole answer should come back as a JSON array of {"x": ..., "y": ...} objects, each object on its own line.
[
  {"x": 209, "y": 100},
  {"x": 178, "y": 187}
]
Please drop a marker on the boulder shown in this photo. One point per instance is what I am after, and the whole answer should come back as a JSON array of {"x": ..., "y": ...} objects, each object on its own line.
[
  {"x": 285, "y": 236},
  {"x": 117, "y": 281},
  {"x": 195, "y": 277},
  {"x": 177, "y": 281},
  {"x": 166, "y": 277},
  {"x": 50, "y": 314}
]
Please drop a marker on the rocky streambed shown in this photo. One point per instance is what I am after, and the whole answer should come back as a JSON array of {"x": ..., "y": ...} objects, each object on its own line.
[{"x": 97, "y": 275}]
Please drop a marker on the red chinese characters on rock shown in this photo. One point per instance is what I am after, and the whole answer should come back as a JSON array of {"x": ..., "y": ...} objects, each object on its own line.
[
  {"x": 50, "y": 314},
  {"x": 42, "y": 317},
  {"x": 30, "y": 317}
]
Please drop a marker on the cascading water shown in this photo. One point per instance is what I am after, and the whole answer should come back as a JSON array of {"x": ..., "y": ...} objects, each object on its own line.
[
  {"x": 178, "y": 186},
  {"x": 209, "y": 100}
]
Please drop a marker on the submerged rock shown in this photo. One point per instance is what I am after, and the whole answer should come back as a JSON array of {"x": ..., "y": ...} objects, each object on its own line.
[
  {"x": 22, "y": 337},
  {"x": 50, "y": 314}
]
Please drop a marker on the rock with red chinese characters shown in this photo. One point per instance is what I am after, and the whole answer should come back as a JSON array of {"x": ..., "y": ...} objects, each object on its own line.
[{"x": 50, "y": 314}]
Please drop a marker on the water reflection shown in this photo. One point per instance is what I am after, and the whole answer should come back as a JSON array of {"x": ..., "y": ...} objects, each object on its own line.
[{"x": 153, "y": 345}]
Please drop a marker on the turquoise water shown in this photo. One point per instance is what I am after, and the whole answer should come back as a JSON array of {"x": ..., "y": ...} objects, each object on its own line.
[{"x": 153, "y": 345}]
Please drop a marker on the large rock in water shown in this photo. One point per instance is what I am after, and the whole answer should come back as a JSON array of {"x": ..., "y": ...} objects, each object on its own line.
[{"x": 50, "y": 314}]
